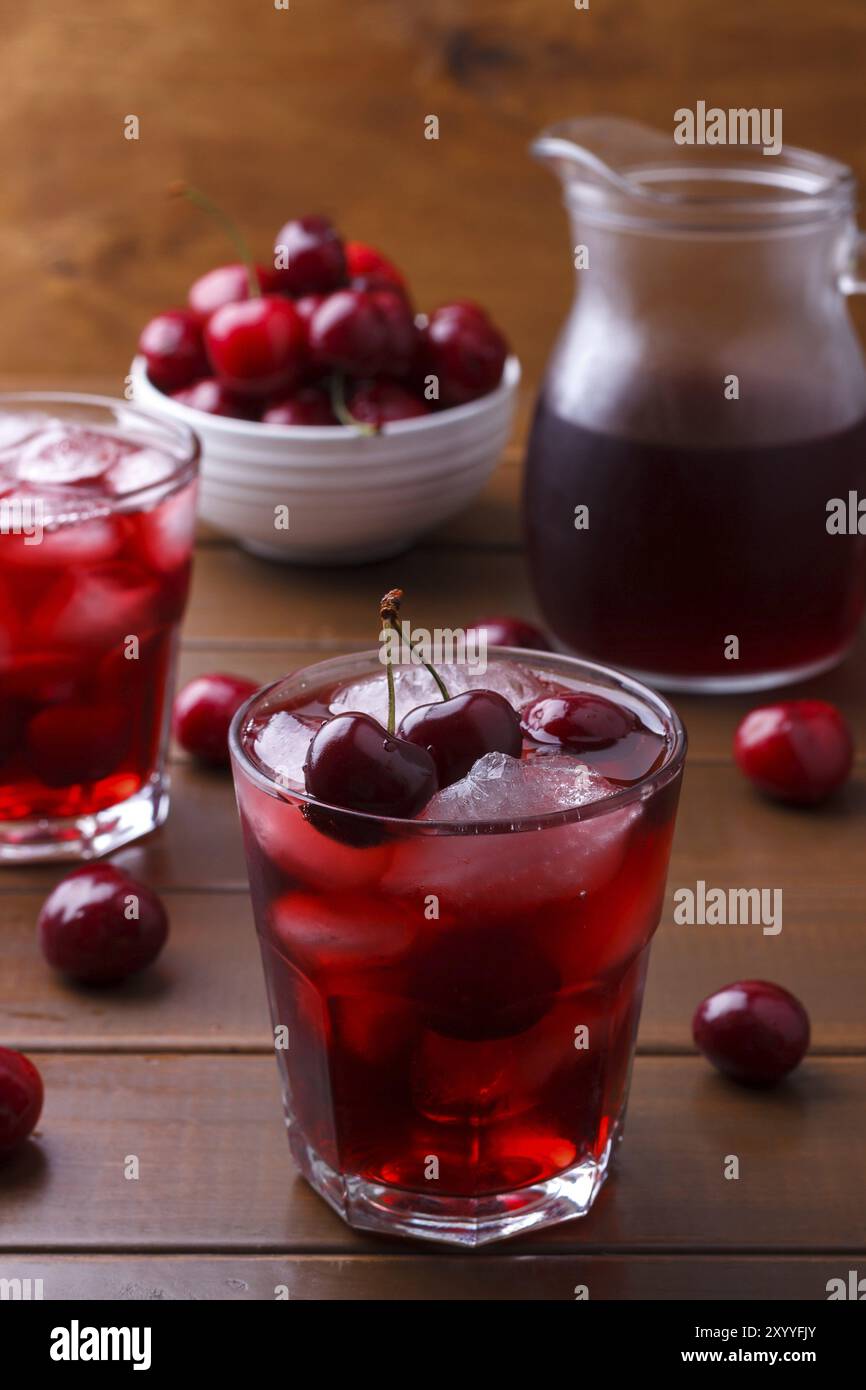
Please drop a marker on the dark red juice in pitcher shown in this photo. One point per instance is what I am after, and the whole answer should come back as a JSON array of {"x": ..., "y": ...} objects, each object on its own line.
[{"x": 685, "y": 547}]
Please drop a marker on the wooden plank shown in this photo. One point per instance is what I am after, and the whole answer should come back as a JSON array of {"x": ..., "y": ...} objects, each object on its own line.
[
  {"x": 215, "y": 1172},
  {"x": 508, "y": 1276},
  {"x": 244, "y": 598}
]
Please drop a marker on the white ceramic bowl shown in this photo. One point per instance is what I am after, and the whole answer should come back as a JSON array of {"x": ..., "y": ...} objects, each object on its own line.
[{"x": 350, "y": 497}]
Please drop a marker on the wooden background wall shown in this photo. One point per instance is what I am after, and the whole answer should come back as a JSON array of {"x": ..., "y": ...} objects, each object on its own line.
[{"x": 321, "y": 107}]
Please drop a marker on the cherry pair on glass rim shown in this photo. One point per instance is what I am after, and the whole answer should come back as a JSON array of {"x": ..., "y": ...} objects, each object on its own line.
[{"x": 356, "y": 763}]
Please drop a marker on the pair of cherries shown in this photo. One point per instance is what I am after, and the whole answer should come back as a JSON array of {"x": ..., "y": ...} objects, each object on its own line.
[{"x": 355, "y": 762}]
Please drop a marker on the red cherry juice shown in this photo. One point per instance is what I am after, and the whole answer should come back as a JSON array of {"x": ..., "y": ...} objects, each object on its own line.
[
  {"x": 687, "y": 546},
  {"x": 95, "y": 548},
  {"x": 467, "y": 993}
]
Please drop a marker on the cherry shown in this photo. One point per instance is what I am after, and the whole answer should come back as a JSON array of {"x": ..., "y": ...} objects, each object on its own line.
[
  {"x": 226, "y": 284},
  {"x": 257, "y": 347},
  {"x": 580, "y": 722},
  {"x": 21, "y": 1096},
  {"x": 100, "y": 924},
  {"x": 401, "y": 333},
  {"x": 458, "y": 731},
  {"x": 753, "y": 1031},
  {"x": 464, "y": 351},
  {"x": 171, "y": 344},
  {"x": 348, "y": 332},
  {"x": 798, "y": 751},
  {"x": 368, "y": 269},
  {"x": 511, "y": 632},
  {"x": 354, "y": 762},
  {"x": 309, "y": 406},
  {"x": 313, "y": 254},
  {"x": 382, "y": 402},
  {"x": 203, "y": 711},
  {"x": 214, "y": 398}
]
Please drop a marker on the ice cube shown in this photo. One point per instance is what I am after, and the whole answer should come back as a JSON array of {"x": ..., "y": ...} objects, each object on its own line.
[
  {"x": 61, "y": 455},
  {"x": 99, "y": 606},
  {"x": 306, "y": 854},
  {"x": 415, "y": 686},
  {"x": 346, "y": 937},
  {"x": 281, "y": 746},
  {"x": 165, "y": 532},
  {"x": 14, "y": 429},
  {"x": 503, "y": 788},
  {"x": 525, "y": 868},
  {"x": 140, "y": 468}
]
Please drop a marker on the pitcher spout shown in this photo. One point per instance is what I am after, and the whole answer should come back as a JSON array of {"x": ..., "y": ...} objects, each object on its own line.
[{"x": 603, "y": 152}]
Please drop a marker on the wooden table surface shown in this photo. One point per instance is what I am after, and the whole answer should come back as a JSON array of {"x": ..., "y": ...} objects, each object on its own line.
[{"x": 177, "y": 1068}]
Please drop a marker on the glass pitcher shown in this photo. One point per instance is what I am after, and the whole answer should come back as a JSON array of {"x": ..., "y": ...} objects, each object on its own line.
[{"x": 698, "y": 455}]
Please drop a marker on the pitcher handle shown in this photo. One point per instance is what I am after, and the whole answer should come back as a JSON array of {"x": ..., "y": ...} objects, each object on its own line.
[{"x": 852, "y": 277}]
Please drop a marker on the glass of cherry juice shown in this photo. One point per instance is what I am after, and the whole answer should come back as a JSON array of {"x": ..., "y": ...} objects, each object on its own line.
[
  {"x": 455, "y": 995},
  {"x": 97, "y": 512}
]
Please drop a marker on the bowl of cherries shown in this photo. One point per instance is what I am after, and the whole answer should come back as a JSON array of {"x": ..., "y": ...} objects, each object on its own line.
[{"x": 337, "y": 424}]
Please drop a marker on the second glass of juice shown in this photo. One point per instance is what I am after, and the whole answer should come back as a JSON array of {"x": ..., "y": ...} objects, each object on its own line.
[
  {"x": 97, "y": 513},
  {"x": 455, "y": 997}
]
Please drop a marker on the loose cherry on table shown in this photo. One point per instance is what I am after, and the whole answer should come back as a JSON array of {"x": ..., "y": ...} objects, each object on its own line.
[
  {"x": 511, "y": 632},
  {"x": 464, "y": 351},
  {"x": 581, "y": 722},
  {"x": 171, "y": 344},
  {"x": 309, "y": 257},
  {"x": 21, "y": 1096},
  {"x": 203, "y": 711},
  {"x": 100, "y": 925},
  {"x": 799, "y": 751},
  {"x": 458, "y": 731},
  {"x": 257, "y": 347},
  {"x": 753, "y": 1031}
]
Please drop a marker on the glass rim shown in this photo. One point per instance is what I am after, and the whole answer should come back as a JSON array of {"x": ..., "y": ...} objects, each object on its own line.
[
  {"x": 642, "y": 790},
  {"x": 184, "y": 466}
]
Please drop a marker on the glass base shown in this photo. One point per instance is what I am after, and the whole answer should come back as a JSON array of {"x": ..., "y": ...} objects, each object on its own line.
[
  {"x": 461, "y": 1221},
  {"x": 86, "y": 837}
]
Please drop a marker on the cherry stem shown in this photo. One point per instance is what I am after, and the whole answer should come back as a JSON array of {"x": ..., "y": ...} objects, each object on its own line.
[
  {"x": 389, "y": 609},
  {"x": 337, "y": 386},
  {"x": 206, "y": 204}
]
